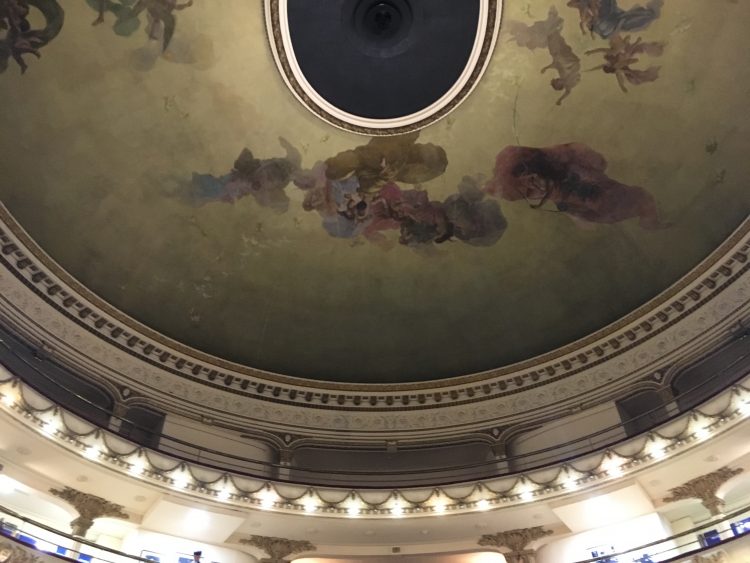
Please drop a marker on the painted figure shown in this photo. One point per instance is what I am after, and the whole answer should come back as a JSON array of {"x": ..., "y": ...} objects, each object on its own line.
[
  {"x": 160, "y": 14},
  {"x": 622, "y": 54},
  {"x": 264, "y": 180},
  {"x": 548, "y": 34},
  {"x": 347, "y": 212},
  {"x": 389, "y": 159},
  {"x": 605, "y": 17},
  {"x": 573, "y": 178},
  {"x": 20, "y": 38},
  {"x": 474, "y": 219}
]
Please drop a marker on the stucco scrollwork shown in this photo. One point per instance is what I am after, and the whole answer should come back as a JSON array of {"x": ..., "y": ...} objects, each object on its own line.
[
  {"x": 278, "y": 548},
  {"x": 12, "y": 553},
  {"x": 704, "y": 488},
  {"x": 517, "y": 541},
  {"x": 89, "y": 508}
]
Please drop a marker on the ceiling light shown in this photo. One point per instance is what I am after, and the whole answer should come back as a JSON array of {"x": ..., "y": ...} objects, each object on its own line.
[
  {"x": 223, "y": 494},
  {"x": 568, "y": 480},
  {"x": 525, "y": 490},
  {"x": 137, "y": 467},
  {"x": 92, "y": 452},
  {"x": 267, "y": 498},
  {"x": 9, "y": 398},
  {"x": 656, "y": 448},
  {"x": 702, "y": 433},
  {"x": 353, "y": 506},
  {"x": 50, "y": 427},
  {"x": 613, "y": 465},
  {"x": 180, "y": 482},
  {"x": 7, "y": 485},
  {"x": 483, "y": 504},
  {"x": 309, "y": 504},
  {"x": 397, "y": 510}
]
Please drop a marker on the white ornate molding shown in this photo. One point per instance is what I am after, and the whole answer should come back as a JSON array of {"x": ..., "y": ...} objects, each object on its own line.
[
  {"x": 43, "y": 303},
  {"x": 19, "y": 404},
  {"x": 277, "y": 28}
]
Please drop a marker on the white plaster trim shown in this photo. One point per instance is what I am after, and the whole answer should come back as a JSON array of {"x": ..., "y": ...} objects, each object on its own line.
[{"x": 401, "y": 123}]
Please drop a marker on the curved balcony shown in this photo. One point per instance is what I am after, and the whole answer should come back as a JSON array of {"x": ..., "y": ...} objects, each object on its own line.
[
  {"x": 550, "y": 443},
  {"x": 265, "y": 485}
]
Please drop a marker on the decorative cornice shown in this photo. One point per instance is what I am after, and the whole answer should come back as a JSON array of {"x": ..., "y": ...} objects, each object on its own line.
[
  {"x": 278, "y": 548},
  {"x": 704, "y": 488},
  {"x": 45, "y": 304},
  {"x": 161, "y": 470},
  {"x": 89, "y": 508},
  {"x": 516, "y": 541}
]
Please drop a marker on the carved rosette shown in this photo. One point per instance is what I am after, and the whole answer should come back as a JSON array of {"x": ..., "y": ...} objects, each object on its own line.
[
  {"x": 89, "y": 508},
  {"x": 517, "y": 542},
  {"x": 704, "y": 488},
  {"x": 278, "y": 548}
]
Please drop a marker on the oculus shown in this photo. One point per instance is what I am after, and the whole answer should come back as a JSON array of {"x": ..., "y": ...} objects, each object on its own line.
[{"x": 382, "y": 67}]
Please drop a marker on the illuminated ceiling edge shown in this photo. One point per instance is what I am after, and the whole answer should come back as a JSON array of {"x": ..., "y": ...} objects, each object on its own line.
[{"x": 674, "y": 438}]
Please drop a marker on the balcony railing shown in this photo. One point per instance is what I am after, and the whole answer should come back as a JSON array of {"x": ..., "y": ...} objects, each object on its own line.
[
  {"x": 21, "y": 536},
  {"x": 447, "y": 472}
]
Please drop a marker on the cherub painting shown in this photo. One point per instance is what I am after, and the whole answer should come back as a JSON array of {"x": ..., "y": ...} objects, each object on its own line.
[
  {"x": 160, "y": 14},
  {"x": 360, "y": 193},
  {"x": 265, "y": 180},
  {"x": 21, "y": 37},
  {"x": 548, "y": 34},
  {"x": 622, "y": 54},
  {"x": 605, "y": 18},
  {"x": 385, "y": 159}
]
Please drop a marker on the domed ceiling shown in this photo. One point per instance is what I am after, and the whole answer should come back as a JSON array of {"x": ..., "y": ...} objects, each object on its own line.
[{"x": 153, "y": 149}]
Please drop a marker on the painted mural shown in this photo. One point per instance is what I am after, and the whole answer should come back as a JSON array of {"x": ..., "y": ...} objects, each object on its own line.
[
  {"x": 602, "y": 156},
  {"x": 602, "y": 19},
  {"x": 22, "y": 37}
]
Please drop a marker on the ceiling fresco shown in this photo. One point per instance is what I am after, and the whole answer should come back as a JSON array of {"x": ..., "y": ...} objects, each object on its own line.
[{"x": 153, "y": 150}]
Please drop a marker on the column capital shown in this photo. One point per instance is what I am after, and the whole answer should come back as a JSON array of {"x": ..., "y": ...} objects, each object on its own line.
[
  {"x": 89, "y": 508},
  {"x": 704, "y": 488},
  {"x": 277, "y": 548},
  {"x": 517, "y": 541}
]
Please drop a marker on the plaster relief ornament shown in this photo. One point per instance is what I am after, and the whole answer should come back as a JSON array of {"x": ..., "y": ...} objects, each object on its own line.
[
  {"x": 10, "y": 553},
  {"x": 13, "y": 553},
  {"x": 89, "y": 507},
  {"x": 278, "y": 548},
  {"x": 516, "y": 540},
  {"x": 22, "y": 36},
  {"x": 704, "y": 488}
]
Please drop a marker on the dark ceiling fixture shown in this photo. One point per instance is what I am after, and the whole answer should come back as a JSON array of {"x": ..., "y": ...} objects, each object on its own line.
[{"x": 382, "y": 67}]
